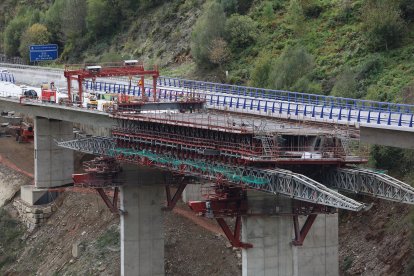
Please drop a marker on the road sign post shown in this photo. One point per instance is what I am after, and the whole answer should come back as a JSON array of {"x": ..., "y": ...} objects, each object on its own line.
[{"x": 43, "y": 52}]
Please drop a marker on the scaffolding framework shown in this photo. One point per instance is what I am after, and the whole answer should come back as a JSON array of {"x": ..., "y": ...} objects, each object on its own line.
[{"x": 274, "y": 181}]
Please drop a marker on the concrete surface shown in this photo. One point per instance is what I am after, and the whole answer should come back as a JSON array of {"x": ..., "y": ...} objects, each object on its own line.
[
  {"x": 192, "y": 192},
  {"x": 35, "y": 196},
  {"x": 58, "y": 112},
  {"x": 319, "y": 253},
  {"x": 271, "y": 235},
  {"x": 401, "y": 138},
  {"x": 53, "y": 165},
  {"x": 142, "y": 227},
  {"x": 271, "y": 254}
]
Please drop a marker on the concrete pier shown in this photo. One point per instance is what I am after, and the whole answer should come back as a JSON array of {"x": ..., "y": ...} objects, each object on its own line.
[
  {"x": 53, "y": 165},
  {"x": 319, "y": 253},
  {"x": 272, "y": 234},
  {"x": 192, "y": 192},
  {"x": 142, "y": 228}
]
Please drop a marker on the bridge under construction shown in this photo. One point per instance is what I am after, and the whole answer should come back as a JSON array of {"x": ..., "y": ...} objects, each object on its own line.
[{"x": 280, "y": 178}]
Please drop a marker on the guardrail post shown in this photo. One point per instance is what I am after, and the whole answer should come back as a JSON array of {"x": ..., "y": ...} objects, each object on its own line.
[
  {"x": 313, "y": 111},
  {"x": 340, "y": 114},
  {"x": 280, "y": 108},
  {"x": 323, "y": 107},
  {"x": 304, "y": 110},
  {"x": 237, "y": 102},
  {"x": 411, "y": 120},
  {"x": 400, "y": 120},
  {"x": 258, "y": 105},
  {"x": 389, "y": 119},
  {"x": 359, "y": 116},
  {"x": 379, "y": 118},
  {"x": 273, "y": 107},
  {"x": 369, "y": 117},
  {"x": 288, "y": 111},
  {"x": 349, "y": 114},
  {"x": 297, "y": 109},
  {"x": 330, "y": 112},
  {"x": 244, "y": 103},
  {"x": 251, "y": 104}
]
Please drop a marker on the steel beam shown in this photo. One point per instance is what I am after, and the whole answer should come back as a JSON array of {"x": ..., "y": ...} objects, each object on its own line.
[{"x": 367, "y": 182}]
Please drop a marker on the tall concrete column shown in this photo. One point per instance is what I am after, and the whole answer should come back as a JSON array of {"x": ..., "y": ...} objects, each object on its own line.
[
  {"x": 142, "y": 228},
  {"x": 319, "y": 253},
  {"x": 271, "y": 236},
  {"x": 53, "y": 165},
  {"x": 192, "y": 192}
]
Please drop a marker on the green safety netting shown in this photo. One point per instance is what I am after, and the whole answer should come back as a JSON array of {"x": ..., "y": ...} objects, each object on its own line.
[{"x": 229, "y": 173}]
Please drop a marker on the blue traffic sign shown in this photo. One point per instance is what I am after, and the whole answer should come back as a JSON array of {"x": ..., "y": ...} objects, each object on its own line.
[{"x": 43, "y": 52}]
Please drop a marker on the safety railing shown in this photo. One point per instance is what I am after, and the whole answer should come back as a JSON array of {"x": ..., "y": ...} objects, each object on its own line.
[
  {"x": 7, "y": 77},
  {"x": 30, "y": 67},
  {"x": 316, "y": 110},
  {"x": 270, "y": 107},
  {"x": 288, "y": 96}
]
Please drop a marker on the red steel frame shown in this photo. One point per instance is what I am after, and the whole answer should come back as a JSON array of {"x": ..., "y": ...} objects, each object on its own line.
[
  {"x": 81, "y": 73},
  {"x": 301, "y": 234}
]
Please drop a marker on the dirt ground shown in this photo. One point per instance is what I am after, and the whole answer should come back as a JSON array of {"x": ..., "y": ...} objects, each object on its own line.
[
  {"x": 378, "y": 241},
  {"x": 84, "y": 219},
  {"x": 19, "y": 154}
]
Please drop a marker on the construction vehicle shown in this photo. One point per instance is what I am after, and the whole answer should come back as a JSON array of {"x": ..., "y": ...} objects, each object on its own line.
[
  {"x": 92, "y": 101},
  {"x": 25, "y": 133},
  {"x": 48, "y": 92}
]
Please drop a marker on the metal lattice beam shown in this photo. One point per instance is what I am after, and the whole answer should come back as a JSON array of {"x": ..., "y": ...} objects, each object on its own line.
[
  {"x": 274, "y": 181},
  {"x": 367, "y": 182},
  {"x": 92, "y": 145}
]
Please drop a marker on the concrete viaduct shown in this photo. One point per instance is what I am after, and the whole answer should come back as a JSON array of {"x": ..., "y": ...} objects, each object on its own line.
[{"x": 142, "y": 235}]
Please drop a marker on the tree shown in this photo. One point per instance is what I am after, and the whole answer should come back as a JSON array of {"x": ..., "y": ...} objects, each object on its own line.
[
  {"x": 230, "y": 6},
  {"x": 241, "y": 31},
  {"x": 219, "y": 52},
  {"x": 102, "y": 17},
  {"x": 407, "y": 10},
  {"x": 73, "y": 18},
  {"x": 53, "y": 19},
  {"x": 346, "y": 85},
  {"x": 291, "y": 66},
  {"x": 35, "y": 34},
  {"x": 208, "y": 27},
  {"x": 296, "y": 18},
  {"x": 382, "y": 24},
  {"x": 12, "y": 35},
  {"x": 259, "y": 76}
]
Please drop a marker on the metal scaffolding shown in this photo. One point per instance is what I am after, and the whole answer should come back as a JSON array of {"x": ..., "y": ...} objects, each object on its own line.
[
  {"x": 368, "y": 182},
  {"x": 273, "y": 181}
]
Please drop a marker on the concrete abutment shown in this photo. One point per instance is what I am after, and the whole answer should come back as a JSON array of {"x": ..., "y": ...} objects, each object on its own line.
[{"x": 53, "y": 165}]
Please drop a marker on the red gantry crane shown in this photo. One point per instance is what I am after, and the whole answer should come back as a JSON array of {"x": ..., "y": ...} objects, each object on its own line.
[{"x": 129, "y": 68}]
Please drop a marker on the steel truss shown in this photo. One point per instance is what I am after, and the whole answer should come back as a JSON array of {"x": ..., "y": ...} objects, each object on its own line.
[
  {"x": 274, "y": 181},
  {"x": 363, "y": 181},
  {"x": 92, "y": 145}
]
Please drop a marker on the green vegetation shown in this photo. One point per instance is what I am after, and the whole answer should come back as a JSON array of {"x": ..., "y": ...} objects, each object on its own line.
[
  {"x": 10, "y": 242},
  {"x": 207, "y": 30},
  {"x": 109, "y": 238}
]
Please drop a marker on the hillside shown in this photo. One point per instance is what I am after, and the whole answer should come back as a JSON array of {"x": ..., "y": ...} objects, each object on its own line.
[{"x": 350, "y": 48}]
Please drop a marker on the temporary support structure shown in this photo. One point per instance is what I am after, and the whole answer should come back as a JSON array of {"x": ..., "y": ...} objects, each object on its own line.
[{"x": 273, "y": 181}]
